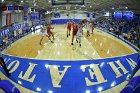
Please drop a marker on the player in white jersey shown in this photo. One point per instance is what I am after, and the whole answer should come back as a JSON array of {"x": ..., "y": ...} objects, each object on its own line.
[
  {"x": 44, "y": 33},
  {"x": 79, "y": 32}
]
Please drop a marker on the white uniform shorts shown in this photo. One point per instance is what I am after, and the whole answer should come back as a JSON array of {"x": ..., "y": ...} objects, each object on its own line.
[
  {"x": 44, "y": 34},
  {"x": 79, "y": 34},
  {"x": 88, "y": 28}
]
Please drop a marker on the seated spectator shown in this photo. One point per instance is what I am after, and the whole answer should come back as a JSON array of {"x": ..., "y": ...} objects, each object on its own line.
[
  {"x": 125, "y": 35},
  {"x": 111, "y": 29},
  {"x": 129, "y": 36},
  {"x": 117, "y": 33}
]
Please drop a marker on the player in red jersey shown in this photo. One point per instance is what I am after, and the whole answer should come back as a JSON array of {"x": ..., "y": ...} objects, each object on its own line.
[
  {"x": 75, "y": 29},
  {"x": 44, "y": 33},
  {"x": 50, "y": 33},
  {"x": 92, "y": 27},
  {"x": 69, "y": 25},
  {"x": 72, "y": 23}
]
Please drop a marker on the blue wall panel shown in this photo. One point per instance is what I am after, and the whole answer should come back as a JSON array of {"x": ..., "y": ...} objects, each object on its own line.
[{"x": 63, "y": 21}]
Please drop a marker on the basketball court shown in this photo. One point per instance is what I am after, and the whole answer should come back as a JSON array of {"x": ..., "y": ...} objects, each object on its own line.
[
  {"x": 102, "y": 64},
  {"x": 95, "y": 47}
]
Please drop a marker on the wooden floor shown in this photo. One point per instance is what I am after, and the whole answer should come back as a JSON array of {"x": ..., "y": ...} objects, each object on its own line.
[{"x": 98, "y": 45}]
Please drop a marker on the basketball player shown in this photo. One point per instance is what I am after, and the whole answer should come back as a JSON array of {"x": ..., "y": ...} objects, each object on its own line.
[
  {"x": 72, "y": 23},
  {"x": 75, "y": 29},
  {"x": 79, "y": 33},
  {"x": 44, "y": 33},
  {"x": 88, "y": 27},
  {"x": 69, "y": 25},
  {"x": 50, "y": 33},
  {"x": 92, "y": 27}
]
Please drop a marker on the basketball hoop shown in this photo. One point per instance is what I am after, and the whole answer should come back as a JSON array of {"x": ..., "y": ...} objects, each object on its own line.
[{"x": 67, "y": 7}]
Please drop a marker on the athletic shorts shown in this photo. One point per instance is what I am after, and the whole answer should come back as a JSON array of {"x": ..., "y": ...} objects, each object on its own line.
[
  {"x": 69, "y": 28},
  {"x": 44, "y": 33},
  {"x": 88, "y": 29},
  {"x": 74, "y": 33}
]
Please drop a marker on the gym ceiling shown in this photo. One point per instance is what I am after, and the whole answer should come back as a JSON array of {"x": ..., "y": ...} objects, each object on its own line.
[{"x": 90, "y": 5}]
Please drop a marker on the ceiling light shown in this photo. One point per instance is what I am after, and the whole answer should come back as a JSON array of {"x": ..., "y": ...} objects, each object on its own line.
[
  {"x": 2, "y": 0},
  {"x": 34, "y": 4},
  {"x": 113, "y": 8},
  {"x": 20, "y": 1},
  {"x": 126, "y": 7},
  {"x": 83, "y": 6}
]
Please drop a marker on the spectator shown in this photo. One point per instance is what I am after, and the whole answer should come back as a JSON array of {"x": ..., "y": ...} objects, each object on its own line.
[{"x": 129, "y": 29}]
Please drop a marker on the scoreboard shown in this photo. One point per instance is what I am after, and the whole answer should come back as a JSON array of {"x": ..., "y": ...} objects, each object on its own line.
[
  {"x": 118, "y": 14},
  {"x": 12, "y": 8},
  {"x": 127, "y": 15}
]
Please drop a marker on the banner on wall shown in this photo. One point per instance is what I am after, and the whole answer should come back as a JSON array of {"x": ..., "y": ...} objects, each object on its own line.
[
  {"x": 25, "y": 18},
  {"x": 88, "y": 14},
  {"x": 57, "y": 15},
  {"x": 16, "y": 17},
  {"x": 15, "y": 27},
  {"x": 8, "y": 19},
  {"x": 68, "y": 76},
  {"x": 25, "y": 8},
  {"x": 4, "y": 32},
  {"x": 3, "y": 19}
]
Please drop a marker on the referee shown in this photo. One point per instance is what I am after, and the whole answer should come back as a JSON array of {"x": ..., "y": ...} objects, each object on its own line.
[{"x": 2, "y": 63}]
